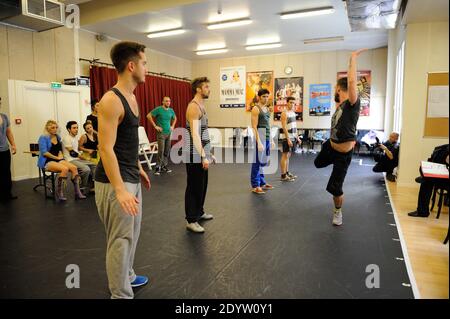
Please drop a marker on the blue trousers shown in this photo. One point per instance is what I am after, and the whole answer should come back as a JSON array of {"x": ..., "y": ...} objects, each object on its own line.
[{"x": 257, "y": 175}]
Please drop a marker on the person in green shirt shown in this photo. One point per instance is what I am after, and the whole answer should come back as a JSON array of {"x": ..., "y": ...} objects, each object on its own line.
[{"x": 163, "y": 119}]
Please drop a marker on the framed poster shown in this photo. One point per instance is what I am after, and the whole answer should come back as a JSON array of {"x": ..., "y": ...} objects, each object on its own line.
[
  {"x": 232, "y": 87},
  {"x": 364, "y": 82},
  {"x": 255, "y": 82},
  {"x": 284, "y": 88},
  {"x": 319, "y": 99}
]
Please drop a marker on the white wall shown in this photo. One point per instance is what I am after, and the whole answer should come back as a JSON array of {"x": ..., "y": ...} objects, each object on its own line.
[
  {"x": 316, "y": 67},
  {"x": 36, "y": 103},
  {"x": 426, "y": 51}
]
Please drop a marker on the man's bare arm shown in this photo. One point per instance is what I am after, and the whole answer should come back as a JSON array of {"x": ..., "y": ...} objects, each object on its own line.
[
  {"x": 109, "y": 114},
  {"x": 193, "y": 115}
]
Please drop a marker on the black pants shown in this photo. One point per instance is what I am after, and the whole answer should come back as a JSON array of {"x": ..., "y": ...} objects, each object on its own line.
[
  {"x": 384, "y": 165},
  {"x": 425, "y": 192},
  {"x": 197, "y": 185},
  {"x": 5, "y": 175},
  {"x": 340, "y": 161}
]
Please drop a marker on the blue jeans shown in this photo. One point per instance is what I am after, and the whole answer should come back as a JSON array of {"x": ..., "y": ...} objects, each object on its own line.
[{"x": 257, "y": 176}]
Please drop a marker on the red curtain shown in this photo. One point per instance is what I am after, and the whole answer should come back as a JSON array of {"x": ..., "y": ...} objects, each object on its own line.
[{"x": 148, "y": 95}]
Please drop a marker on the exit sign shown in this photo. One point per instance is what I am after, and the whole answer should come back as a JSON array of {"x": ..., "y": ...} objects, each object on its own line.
[{"x": 55, "y": 85}]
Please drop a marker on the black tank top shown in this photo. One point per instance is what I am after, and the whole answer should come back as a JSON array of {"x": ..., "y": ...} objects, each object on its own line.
[
  {"x": 126, "y": 147},
  {"x": 54, "y": 150},
  {"x": 91, "y": 145}
]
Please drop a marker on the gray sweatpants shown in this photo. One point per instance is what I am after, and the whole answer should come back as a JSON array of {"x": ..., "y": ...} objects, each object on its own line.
[
  {"x": 122, "y": 233},
  {"x": 85, "y": 169}
]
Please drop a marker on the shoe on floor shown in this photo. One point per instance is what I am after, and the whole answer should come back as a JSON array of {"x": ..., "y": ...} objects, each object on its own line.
[
  {"x": 287, "y": 178},
  {"x": 258, "y": 190},
  {"x": 417, "y": 214},
  {"x": 139, "y": 281},
  {"x": 157, "y": 172},
  {"x": 291, "y": 175},
  {"x": 206, "y": 216},
  {"x": 195, "y": 227},
  {"x": 390, "y": 177},
  {"x": 166, "y": 170},
  {"x": 337, "y": 218},
  {"x": 267, "y": 186}
]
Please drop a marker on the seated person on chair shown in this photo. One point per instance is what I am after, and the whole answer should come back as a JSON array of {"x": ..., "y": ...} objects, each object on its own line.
[
  {"x": 51, "y": 159},
  {"x": 88, "y": 144},
  {"x": 427, "y": 184},
  {"x": 73, "y": 155},
  {"x": 386, "y": 156}
]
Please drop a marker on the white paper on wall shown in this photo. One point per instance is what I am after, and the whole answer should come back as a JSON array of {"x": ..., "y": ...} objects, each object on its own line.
[{"x": 438, "y": 101}]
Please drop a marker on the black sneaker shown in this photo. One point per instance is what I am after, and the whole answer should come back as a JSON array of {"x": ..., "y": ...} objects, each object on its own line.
[
  {"x": 157, "y": 171},
  {"x": 390, "y": 177}
]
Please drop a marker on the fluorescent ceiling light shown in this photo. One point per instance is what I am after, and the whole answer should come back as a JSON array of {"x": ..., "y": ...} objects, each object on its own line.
[
  {"x": 306, "y": 13},
  {"x": 165, "y": 33},
  {"x": 213, "y": 51},
  {"x": 228, "y": 23},
  {"x": 321, "y": 40},
  {"x": 263, "y": 46}
]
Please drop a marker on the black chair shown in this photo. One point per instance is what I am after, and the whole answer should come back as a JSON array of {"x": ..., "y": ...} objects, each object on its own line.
[
  {"x": 442, "y": 191},
  {"x": 49, "y": 192},
  {"x": 446, "y": 238},
  {"x": 44, "y": 176},
  {"x": 359, "y": 135}
]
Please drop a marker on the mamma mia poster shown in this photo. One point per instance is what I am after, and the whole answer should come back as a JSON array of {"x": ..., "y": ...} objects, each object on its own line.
[{"x": 232, "y": 87}]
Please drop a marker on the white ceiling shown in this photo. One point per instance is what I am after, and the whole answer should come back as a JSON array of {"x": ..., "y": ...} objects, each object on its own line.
[
  {"x": 426, "y": 11},
  {"x": 266, "y": 27}
]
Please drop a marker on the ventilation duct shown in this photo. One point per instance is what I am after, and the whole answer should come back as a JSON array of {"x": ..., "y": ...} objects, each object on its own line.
[
  {"x": 35, "y": 15},
  {"x": 372, "y": 14}
]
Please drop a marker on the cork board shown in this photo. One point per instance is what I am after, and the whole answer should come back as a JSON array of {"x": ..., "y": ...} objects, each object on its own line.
[{"x": 435, "y": 126}]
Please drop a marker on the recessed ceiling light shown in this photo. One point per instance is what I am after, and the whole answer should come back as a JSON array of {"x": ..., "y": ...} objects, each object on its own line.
[
  {"x": 321, "y": 40},
  {"x": 306, "y": 13},
  {"x": 212, "y": 51},
  {"x": 165, "y": 33},
  {"x": 228, "y": 23},
  {"x": 263, "y": 46}
]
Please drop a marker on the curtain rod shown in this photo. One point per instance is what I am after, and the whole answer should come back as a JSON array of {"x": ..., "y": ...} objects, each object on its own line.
[{"x": 162, "y": 74}]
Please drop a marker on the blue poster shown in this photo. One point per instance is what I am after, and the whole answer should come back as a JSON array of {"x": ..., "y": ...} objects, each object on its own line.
[{"x": 319, "y": 99}]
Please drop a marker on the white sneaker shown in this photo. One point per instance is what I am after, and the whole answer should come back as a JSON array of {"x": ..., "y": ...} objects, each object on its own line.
[
  {"x": 206, "y": 216},
  {"x": 337, "y": 218},
  {"x": 195, "y": 227},
  {"x": 287, "y": 178}
]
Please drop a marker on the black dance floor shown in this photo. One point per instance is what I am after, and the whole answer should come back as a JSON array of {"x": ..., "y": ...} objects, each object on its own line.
[{"x": 280, "y": 245}]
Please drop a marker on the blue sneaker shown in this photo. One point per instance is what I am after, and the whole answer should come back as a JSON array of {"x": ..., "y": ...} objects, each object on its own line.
[{"x": 139, "y": 281}]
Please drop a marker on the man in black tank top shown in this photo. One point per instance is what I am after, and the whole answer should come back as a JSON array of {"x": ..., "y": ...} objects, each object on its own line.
[
  {"x": 338, "y": 149},
  {"x": 119, "y": 173},
  {"x": 197, "y": 156}
]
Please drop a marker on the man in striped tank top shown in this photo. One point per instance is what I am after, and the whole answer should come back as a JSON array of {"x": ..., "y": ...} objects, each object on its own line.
[
  {"x": 198, "y": 156},
  {"x": 288, "y": 138}
]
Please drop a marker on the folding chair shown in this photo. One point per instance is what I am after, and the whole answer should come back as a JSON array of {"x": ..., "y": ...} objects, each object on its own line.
[{"x": 146, "y": 148}]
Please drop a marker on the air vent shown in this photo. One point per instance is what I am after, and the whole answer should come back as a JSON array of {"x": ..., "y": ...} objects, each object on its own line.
[{"x": 35, "y": 15}]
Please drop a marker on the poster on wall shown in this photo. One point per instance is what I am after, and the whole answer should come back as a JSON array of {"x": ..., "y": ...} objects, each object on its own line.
[
  {"x": 255, "y": 82},
  {"x": 319, "y": 99},
  {"x": 232, "y": 87},
  {"x": 284, "y": 88},
  {"x": 364, "y": 82}
]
